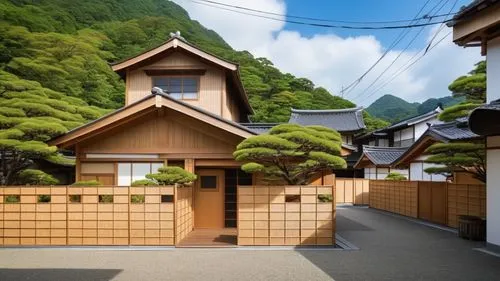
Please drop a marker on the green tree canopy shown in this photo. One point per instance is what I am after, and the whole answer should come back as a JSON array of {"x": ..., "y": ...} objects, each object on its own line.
[
  {"x": 457, "y": 157},
  {"x": 291, "y": 152},
  {"x": 472, "y": 86},
  {"x": 30, "y": 115},
  {"x": 168, "y": 176},
  {"x": 396, "y": 177}
]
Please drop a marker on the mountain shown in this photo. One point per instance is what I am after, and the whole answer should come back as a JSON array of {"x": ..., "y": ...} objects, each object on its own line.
[
  {"x": 66, "y": 46},
  {"x": 392, "y": 109}
]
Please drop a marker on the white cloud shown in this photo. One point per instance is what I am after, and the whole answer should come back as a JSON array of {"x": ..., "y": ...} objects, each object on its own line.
[{"x": 332, "y": 61}]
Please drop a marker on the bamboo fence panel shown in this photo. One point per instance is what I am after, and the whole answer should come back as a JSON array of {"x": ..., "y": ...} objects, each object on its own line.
[
  {"x": 86, "y": 216},
  {"x": 465, "y": 199},
  {"x": 352, "y": 191},
  {"x": 400, "y": 197},
  {"x": 438, "y": 202},
  {"x": 285, "y": 215},
  {"x": 183, "y": 212}
]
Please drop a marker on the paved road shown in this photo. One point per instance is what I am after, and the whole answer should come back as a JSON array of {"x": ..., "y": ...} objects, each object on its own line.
[{"x": 391, "y": 249}]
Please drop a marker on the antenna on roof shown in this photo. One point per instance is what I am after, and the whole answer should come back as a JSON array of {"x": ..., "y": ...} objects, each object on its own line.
[{"x": 177, "y": 34}]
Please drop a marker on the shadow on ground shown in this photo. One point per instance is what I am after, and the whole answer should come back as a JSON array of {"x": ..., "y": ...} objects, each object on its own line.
[
  {"x": 394, "y": 248},
  {"x": 57, "y": 274}
]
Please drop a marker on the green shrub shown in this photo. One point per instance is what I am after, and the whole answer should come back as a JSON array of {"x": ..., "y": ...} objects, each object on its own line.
[
  {"x": 145, "y": 182},
  {"x": 105, "y": 198},
  {"x": 12, "y": 199},
  {"x": 172, "y": 175},
  {"x": 87, "y": 183},
  {"x": 36, "y": 177},
  {"x": 396, "y": 177},
  {"x": 44, "y": 199},
  {"x": 75, "y": 198},
  {"x": 325, "y": 198},
  {"x": 137, "y": 199}
]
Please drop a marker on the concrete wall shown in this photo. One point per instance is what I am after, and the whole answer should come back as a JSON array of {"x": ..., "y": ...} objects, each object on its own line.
[{"x": 493, "y": 155}]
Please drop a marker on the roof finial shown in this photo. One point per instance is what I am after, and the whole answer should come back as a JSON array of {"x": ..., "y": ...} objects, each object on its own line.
[{"x": 177, "y": 34}]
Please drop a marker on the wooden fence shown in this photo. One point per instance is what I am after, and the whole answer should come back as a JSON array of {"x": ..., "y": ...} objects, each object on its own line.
[
  {"x": 183, "y": 212},
  {"x": 437, "y": 202},
  {"x": 352, "y": 191},
  {"x": 286, "y": 215},
  {"x": 86, "y": 216}
]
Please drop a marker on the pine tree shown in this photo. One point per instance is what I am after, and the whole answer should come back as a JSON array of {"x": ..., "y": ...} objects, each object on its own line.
[
  {"x": 291, "y": 152},
  {"x": 30, "y": 115}
]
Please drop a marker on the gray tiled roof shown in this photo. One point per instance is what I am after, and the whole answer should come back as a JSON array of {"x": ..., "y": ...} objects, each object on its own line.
[
  {"x": 383, "y": 155},
  {"x": 413, "y": 120},
  {"x": 342, "y": 120},
  {"x": 259, "y": 128},
  {"x": 452, "y": 131}
]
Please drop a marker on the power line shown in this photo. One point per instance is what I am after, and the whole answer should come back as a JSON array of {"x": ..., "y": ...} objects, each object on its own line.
[
  {"x": 409, "y": 66},
  {"x": 319, "y": 19},
  {"x": 396, "y": 41},
  {"x": 407, "y": 46},
  {"x": 388, "y": 27},
  {"x": 428, "y": 48}
]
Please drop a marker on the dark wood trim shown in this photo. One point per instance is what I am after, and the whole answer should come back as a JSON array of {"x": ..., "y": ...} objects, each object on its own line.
[{"x": 172, "y": 72}]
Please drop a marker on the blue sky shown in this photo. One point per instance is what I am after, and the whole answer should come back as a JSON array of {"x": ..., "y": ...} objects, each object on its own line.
[
  {"x": 334, "y": 58},
  {"x": 364, "y": 10}
]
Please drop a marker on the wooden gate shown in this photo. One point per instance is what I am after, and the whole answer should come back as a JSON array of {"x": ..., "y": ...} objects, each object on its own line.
[{"x": 432, "y": 202}]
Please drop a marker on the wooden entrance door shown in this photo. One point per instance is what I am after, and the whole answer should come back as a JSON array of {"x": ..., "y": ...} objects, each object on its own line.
[{"x": 209, "y": 199}]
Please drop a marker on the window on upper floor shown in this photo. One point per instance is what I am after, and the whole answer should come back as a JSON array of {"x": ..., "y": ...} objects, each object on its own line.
[{"x": 182, "y": 88}]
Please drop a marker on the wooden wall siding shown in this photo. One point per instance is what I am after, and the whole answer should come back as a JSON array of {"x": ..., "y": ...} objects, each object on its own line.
[
  {"x": 169, "y": 133},
  {"x": 264, "y": 218},
  {"x": 97, "y": 168},
  {"x": 101, "y": 178},
  {"x": 183, "y": 212},
  {"x": 88, "y": 222},
  {"x": 465, "y": 199},
  {"x": 352, "y": 191},
  {"x": 437, "y": 202},
  {"x": 400, "y": 197},
  {"x": 212, "y": 84}
]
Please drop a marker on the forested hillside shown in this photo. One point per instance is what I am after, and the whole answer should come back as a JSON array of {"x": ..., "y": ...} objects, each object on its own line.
[
  {"x": 392, "y": 109},
  {"x": 65, "y": 45}
]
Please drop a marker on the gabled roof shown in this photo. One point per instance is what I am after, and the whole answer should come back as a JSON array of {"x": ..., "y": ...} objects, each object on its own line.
[
  {"x": 452, "y": 131},
  {"x": 342, "y": 120},
  {"x": 484, "y": 120},
  {"x": 177, "y": 43},
  {"x": 413, "y": 120},
  {"x": 379, "y": 156},
  {"x": 457, "y": 130},
  {"x": 138, "y": 108}
]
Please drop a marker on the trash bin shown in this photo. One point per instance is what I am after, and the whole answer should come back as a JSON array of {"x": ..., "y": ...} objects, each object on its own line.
[{"x": 472, "y": 228}]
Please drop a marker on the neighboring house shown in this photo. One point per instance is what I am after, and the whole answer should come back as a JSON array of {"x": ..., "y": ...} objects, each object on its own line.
[
  {"x": 379, "y": 149},
  {"x": 348, "y": 122},
  {"x": 377, "y": 161},
  {"x": 189, "y": 120},
  {"x": 403, "y": 133},
  {"x": 414, "y": 159},
  {"x": 478, "y": 25}
]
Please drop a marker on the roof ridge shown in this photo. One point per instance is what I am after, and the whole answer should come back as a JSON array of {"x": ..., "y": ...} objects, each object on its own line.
[{"x": 352, "y": 109}]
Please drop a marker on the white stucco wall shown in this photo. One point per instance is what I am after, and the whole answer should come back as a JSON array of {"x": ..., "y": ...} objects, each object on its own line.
[
  {"x": 493, "y": 155},
  {"x": 493, "y": 70}
]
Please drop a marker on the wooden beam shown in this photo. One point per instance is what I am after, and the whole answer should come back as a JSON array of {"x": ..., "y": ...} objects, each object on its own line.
[
  {"x": 172, "y": 72},
  {"x": 217, "y": 163}
]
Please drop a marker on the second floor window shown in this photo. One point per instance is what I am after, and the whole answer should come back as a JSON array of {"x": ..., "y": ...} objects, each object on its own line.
[{"x": 182, "y": 88}]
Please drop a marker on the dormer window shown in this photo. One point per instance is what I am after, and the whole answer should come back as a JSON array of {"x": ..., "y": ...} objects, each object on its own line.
[{"x": 182, "y": 88}]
